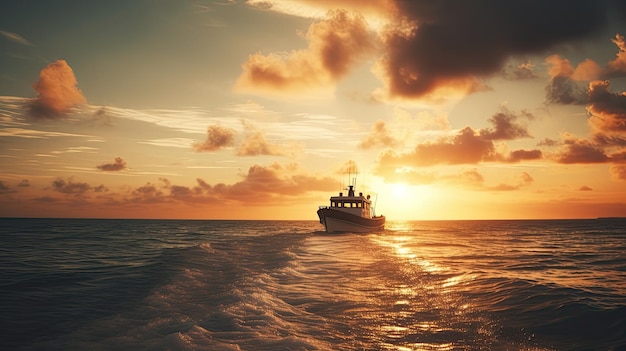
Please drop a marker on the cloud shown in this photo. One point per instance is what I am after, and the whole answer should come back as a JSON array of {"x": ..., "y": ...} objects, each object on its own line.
[
  {"x": 562, "y": 89},
  {"x": 336, "y": 44},
  {"x": 378, "y": 136},
  {"x": 57, "y": 92},
  {"x": 609, "y": 108},
  {"x": 617, "y": 67},
  {"x": 585, "y": 188},
  {"x": 522, "y": 71},
  {"x": 618, "y": 171},
  {"x": 434, "y": 49},
  {"x": 15, "y": 38},
  {"x": 521, "y": 155},
  {"x": 255, "y": 144},
  {"x": 5, "y": 189},
  {"x": 505, "y": 126},
  {"x": 464, "y": 148},
  {"x": 70, "y": 187},
  {"x": 468, "y": 146},
  {"x": 566, "y": 83},
  {"x": 451, "y": 44},
  {"x": 118, "y": 165},
  {"x": 266, "y": 185},
  {"x": 37, "y": 134},
  {"x": 608, "y": 123},
  {"x": 581, "y": 151},
  {"x": 217, "y": 138}
]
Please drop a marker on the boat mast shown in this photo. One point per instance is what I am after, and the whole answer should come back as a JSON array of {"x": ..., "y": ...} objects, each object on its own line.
[{"x": 374, "y": 207}]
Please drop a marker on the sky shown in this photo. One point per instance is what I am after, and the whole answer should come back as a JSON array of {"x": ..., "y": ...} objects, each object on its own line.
[{"x": 263, "y": 109}]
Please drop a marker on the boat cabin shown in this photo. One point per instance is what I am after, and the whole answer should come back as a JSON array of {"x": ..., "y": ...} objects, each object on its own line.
[{"x": 357, "y": 205}]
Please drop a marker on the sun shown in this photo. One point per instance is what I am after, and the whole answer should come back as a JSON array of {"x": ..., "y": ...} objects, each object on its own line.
[
  {"x": 399, "y": 190},
  {"x": 405, "y": 201}
]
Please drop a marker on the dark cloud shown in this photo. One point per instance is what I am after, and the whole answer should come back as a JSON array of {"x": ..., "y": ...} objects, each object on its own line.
[
  {"x": 118, "y": 165},
  {"x": 567, "y": 83},
  {"x": 58, "y": 92},
  {"x": 581, "y": 151},
  {"x": 520, "y": 71},
  {"x": 548, "y": 142},
  {"x": 506, "y": 126},
  {"x": 453, "y": 42},
  {"x": 70, "y": 187},
  {"x": 5, "y": 189},
  {"x": 564, "y": 90},
  {"x": 521, "y": 155}
]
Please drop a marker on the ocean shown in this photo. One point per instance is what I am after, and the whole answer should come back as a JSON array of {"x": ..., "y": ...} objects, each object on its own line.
[{"x": 91, "y": 284}]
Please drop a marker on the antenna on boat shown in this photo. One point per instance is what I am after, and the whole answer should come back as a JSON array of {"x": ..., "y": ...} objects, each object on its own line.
[{"x": 374, "y": 207}]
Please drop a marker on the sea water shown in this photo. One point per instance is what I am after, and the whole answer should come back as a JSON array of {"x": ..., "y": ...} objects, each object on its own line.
[{"x": 68, "y": 284}]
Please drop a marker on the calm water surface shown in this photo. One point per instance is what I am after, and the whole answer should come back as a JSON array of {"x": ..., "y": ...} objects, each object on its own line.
[{"x": 285, "y": 285}]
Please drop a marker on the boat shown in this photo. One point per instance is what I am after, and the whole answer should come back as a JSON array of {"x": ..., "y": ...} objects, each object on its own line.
[{"x": 350, "y": 213}]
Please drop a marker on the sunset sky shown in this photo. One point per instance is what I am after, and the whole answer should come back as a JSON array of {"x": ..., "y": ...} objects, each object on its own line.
[{"x": 482, "y": 109}]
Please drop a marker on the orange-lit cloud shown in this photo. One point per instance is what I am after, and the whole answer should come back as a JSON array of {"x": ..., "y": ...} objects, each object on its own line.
[
  {"x": 379, "y": 136},
  {"x": 581, "y": 151},
  {"x": 373, "y": 9},
  {"x": 266, "y": 185},
  {"x": 468, "y": 146},
  {"x": 336, "y": 44},
  {"x": 524, "y": 179},
  {"x": 58, "y": 92},
  {"x": 608, "y": 107},
  {"x": 618, "y": 171},
  {"x": 118, "y": 165},
  {"x": 217, "y": 138},
  {"x": 255, "y": 144},
  {"x": 617, "y": 67},
  {"x": 272, "y": 185}
]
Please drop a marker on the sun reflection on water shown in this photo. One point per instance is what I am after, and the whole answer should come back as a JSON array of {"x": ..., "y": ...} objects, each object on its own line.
[{"x": 426, "y": 306}]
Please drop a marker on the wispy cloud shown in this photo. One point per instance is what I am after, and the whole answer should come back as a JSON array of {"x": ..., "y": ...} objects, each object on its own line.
[
  {"x": 14, "y": 37},
  {"x": 37, "y": 134}
]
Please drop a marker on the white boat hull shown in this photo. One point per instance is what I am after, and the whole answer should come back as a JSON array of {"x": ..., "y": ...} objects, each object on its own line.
[{"x": 336, "y": 221}]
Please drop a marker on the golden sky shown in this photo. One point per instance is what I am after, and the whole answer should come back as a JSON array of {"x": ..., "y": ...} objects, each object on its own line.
[{"x": 481, "y": 109}]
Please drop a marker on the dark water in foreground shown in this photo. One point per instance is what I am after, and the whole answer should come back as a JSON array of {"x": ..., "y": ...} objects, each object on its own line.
[{"x": 283, "y": 285}]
